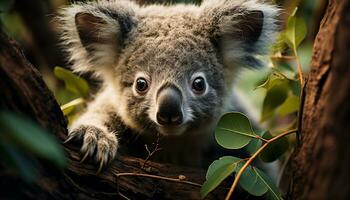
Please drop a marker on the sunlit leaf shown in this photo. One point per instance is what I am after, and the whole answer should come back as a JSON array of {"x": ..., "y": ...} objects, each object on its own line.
[
  {"x": 275, "y": 149},
  {"x": 27, "y": 135},
  {"x": 218, "y": 171},
  {"x": 272, "y": 79},
  {"x": 72, "y": 82},
  {"x": 234, "y": 131},
  {"x": 290, "y": 105},
  {"x": 296, "y": 31}
]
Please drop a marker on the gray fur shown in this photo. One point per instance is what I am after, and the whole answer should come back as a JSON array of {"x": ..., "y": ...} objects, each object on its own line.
[{"x": 165, "y": 45}]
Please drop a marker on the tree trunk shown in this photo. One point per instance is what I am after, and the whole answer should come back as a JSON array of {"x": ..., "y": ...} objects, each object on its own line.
[
  {"x": 24, "y": 91},
  {"x": 320, "y": 166}
]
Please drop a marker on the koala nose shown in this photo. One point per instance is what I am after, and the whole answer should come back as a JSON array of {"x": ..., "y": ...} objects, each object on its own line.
[{"x": 169, "y": 102}]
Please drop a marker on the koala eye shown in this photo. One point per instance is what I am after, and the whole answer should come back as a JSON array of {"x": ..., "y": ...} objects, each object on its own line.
[
  {"x": 198, "y": 85},
  {"x": 141, "y": 85}
]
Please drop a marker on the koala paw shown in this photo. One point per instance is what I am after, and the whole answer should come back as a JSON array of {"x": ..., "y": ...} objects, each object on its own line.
[{"x": 97, "y": 143}]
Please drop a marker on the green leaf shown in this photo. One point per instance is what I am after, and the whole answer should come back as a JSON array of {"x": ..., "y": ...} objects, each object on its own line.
[
  {"x": 218, "y": 171},
  {"x": 254, "y": 145},
  {"x": 25, "y": 134},
  {"x": 275, "y": 149},
  {"x": 257, "y": 183},
  {"x": 290, "y": 105},
  {"x": 273, "y": 191},
  {"x": 252, "y": 183},
  {"x": 275, "y": 97},
  {"x": 225, "y": 160},
  {"x": 295, "y": 87},
  {"x": 272, "y": 79},
  {"x": 296, "y": 31},
  {"x": 72, "y": 82},
  {"x": 234, "y": 131}
]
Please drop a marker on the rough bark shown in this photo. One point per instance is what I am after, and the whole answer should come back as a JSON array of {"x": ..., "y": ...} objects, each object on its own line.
[
  {"x": 24, "y": 91},
  {"x": 320, "y": 165}
]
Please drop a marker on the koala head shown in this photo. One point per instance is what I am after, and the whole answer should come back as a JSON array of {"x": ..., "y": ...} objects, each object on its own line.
[{"x": 171, "y": 67}]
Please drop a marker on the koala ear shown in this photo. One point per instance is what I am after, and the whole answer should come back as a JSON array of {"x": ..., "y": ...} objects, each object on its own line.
[
  {"x": 242, "y": 29},
  {"x": 94, "y": 33},
  {"x": 91, "y": 31}
]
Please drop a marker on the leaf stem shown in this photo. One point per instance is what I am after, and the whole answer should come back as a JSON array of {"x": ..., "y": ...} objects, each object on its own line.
[
  {"x": 261, "y": 138},
  {"x": 300, "y": 70},
  {"x": 251, "y": 159}
]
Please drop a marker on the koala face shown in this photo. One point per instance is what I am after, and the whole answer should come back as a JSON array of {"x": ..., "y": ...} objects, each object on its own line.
[
  {"x": 172, "y": 67},
  {"x": 171, "y": 82}
]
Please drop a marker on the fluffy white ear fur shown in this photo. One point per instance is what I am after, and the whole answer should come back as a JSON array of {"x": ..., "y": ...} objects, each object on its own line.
[
  {"x": 92, "y": 33},
  {"x": 244, "y": 29}
]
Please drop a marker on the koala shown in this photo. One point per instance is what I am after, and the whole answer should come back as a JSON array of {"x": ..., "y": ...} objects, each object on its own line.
[{"x": 167, "y": 71}]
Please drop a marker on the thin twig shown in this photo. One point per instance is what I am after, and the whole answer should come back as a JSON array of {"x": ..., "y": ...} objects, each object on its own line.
[
  {"x": 150, "y": 154},
  {"x": 177, "y": 180},
  {"x": 251, "y": 159}
]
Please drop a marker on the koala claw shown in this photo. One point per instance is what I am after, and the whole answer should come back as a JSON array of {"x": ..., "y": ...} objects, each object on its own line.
[{"x": 101, "y": 145}]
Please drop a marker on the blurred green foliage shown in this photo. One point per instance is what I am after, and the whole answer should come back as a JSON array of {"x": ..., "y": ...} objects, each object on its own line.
[{"x": 22, "y": 141}]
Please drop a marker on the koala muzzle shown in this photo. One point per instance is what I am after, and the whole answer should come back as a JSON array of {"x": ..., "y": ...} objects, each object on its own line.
[{"x": 169, "y": 103}]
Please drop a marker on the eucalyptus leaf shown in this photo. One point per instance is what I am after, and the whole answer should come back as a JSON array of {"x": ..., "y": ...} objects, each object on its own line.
[
  {"x": 275, "y": 149},
  {"x": 275, "y": 97},
  {"x": 272, "y": 80},
  {"x": 254, "y": 145},
  {"x": 218, "y": 171},
  {"x": 72, "y": 82},
  {"x": 273, "y": 191},
  {"x": 28, "y": 136},
  {"x": 225, "y": 160},
  {"x": 290, "y": 105},
  {"x": 296, "y": 31},
  {"x": 234, "y": 131},
  {"x": 295, "y": 87},
  {"x": 257, "y": 183},
  {"x": 252, "y": 183}
]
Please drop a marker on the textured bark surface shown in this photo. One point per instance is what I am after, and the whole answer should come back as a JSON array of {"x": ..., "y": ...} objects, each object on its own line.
[
  {"x": 320, "y": 165},
  {"x": 22, "y": 90}
]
